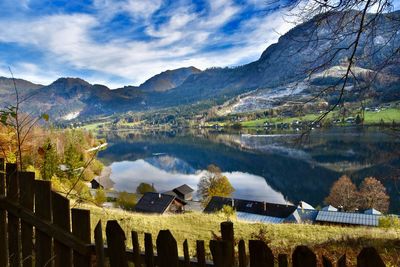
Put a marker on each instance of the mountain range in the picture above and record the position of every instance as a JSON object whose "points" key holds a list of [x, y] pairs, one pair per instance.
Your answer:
{"points": [[284, 66]]}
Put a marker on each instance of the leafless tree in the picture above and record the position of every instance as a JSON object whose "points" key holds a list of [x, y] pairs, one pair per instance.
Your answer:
{"points": [[348, 33]]}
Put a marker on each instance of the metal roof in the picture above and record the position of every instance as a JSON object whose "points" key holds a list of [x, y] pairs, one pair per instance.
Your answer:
{"points": [[244, 216], [329, 208], [348, 218], [372, 211], [154, 203], [251, 206], [307, 215], [305, 205], [183, 189]]}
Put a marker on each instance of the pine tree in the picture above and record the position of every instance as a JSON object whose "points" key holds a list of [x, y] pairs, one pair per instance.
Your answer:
{"points": [[50, 160]]}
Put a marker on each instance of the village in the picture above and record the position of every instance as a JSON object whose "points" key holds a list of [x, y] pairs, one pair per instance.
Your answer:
{"points": [[181, 199]]}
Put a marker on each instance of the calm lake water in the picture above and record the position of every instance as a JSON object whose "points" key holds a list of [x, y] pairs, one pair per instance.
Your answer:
{"points": [[261, 166]]}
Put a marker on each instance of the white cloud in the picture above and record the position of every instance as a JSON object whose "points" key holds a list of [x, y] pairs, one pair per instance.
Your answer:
{"points": [[180, 41]]}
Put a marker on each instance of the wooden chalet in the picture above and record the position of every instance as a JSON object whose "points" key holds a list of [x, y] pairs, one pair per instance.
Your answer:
{"points": [[184, 192], [158, 203]]}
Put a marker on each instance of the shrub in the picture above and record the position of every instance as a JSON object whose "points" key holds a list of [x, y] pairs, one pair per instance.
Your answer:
{"points": [[228, 212], [100, 197], [144, 188], [389, 221], [126, 201]]}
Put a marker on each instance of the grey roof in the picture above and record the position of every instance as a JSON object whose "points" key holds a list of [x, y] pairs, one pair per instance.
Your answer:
{"points": [[305, 205], [293, 218], [329, 208], [154, 203], [183, 189], [372, 211], [348, 218], [250, 217], [171, 193], [251, 206], [307, 215]]}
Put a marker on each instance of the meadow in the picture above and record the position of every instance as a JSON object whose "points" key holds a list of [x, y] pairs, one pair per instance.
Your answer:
{"points": [[332, 241]]}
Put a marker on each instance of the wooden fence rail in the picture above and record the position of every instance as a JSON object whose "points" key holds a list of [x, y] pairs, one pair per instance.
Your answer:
{"points": [[38, 228]]}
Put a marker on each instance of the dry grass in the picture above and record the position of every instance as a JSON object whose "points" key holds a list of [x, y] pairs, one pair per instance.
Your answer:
{"points": [[332, 241]]}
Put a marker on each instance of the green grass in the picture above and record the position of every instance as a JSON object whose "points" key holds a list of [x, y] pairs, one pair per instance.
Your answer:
{"points": [[92, 126], [387, 115], [260, 122], [371, 117], [282, 238]]}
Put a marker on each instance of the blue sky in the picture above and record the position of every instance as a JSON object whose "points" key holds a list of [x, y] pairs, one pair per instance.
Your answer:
{"points": [[125, 42]]}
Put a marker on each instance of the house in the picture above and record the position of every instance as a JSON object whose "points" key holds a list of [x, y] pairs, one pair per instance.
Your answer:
{"points": [[306, 212], [255, 211], [152, 202], [103, 180], [184, 192], [329, 208], [347, 218], [95, 184]]}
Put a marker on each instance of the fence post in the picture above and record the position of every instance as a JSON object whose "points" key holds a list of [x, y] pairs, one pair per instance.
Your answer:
{"points": [[61, 218], [135, 249], [227, 234], [12, 177], [326, 262], [81, 229], [200, 253], [186, 256], [26, 184], [116, 244], [260, 254], [99, 243], [148, 250], [167, 250], [304, 257], [283, 260], [43, 244], [242, 254], [3, 219], [369, 257], [342, 262], [222, 253]]}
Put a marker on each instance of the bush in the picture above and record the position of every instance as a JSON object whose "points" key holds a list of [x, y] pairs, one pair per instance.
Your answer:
{"points": [[100, 197], [144, 188], [228, 212], [126, 201], [389, 221]]}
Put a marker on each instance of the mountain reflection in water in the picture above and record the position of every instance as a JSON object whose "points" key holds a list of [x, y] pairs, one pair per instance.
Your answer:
{"points": [[165, 174], [260, 166]]}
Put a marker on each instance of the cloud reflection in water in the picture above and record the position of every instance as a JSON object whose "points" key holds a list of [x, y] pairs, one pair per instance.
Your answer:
{"points": [[127, 175]]}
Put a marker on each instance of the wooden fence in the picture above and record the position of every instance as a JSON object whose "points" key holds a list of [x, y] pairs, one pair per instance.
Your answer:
{"points": [[38, 228]]}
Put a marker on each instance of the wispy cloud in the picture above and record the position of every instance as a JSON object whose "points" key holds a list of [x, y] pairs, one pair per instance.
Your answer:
{"points": [[72, 41]]}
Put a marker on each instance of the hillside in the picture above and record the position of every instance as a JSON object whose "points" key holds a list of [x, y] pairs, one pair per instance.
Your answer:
{"points": [[281, 68], [168, 79]]}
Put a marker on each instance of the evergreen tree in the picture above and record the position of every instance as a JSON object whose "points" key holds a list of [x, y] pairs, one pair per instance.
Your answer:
{"points": [[50, 160], [73, 159]]}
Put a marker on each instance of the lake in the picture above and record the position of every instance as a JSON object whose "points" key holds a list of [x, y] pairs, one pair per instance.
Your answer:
{"points": [[279, 168]]}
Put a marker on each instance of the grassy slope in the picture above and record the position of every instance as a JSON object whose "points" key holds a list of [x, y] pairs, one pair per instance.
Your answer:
{"points": [[387, 115], [282, 237]]}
